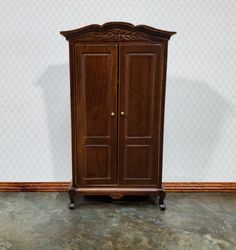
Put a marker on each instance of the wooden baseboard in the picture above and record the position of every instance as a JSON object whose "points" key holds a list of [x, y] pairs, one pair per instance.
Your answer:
{"points": [[169, 186], [200, 187], [34, 186]]}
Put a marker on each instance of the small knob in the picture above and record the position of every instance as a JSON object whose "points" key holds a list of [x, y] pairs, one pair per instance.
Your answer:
{"points": [[112, 114], [122, 113]]}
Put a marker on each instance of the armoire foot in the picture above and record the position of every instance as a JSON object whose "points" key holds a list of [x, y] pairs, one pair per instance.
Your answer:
{"points": [[72, 194], [162, 195]]}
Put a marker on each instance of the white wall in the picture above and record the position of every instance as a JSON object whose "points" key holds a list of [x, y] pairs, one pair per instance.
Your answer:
{"points": [[200, 131]]}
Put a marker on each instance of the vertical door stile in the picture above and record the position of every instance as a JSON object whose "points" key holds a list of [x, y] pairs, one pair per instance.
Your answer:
{"points": [[118, 110]]}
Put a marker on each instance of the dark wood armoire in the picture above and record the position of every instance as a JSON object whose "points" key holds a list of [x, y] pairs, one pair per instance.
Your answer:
{"points": [[118, 81]]}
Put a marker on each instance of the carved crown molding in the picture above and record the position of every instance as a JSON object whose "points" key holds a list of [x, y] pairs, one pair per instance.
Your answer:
{"points": [[117, 31]]}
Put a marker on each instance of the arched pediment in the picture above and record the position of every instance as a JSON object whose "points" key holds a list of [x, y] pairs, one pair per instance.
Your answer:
{"points": [[116, 32]]}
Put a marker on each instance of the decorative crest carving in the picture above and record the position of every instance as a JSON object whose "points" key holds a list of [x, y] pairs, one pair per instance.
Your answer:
{"points": [[117, 36], [116, 196]]}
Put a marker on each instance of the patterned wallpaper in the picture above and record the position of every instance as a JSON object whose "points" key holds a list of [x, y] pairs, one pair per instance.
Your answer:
{"points": [[200, 131]]}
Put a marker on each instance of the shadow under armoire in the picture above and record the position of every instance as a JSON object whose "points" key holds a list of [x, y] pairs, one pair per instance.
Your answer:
{"points": [[117, 79]]}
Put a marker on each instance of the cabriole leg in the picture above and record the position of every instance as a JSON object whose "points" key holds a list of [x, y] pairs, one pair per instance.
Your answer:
{"points": [[72, 194], [162, 195]]}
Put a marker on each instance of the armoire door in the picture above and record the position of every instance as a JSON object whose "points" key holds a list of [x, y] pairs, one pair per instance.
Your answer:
{"points": [[96, 113], [140, 98]]}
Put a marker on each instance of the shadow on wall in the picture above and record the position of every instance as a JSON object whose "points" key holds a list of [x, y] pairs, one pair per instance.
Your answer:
{"points": [[55, 85], [195, 115]]}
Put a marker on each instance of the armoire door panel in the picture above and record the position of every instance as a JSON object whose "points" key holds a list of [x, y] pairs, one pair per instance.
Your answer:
{"points": [[140, 99], [138, 94], [140, 157], [97, 80], [98, 162], [96, 88]]}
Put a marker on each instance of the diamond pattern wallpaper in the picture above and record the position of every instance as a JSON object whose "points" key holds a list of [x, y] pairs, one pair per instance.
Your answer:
{"points": [[200, 120]]}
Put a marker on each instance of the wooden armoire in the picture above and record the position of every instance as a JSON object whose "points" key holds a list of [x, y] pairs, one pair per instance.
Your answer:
{"points": [[118, 81]]}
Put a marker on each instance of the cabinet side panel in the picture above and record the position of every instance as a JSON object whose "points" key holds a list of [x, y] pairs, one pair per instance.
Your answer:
{"points": [[73, 112]]}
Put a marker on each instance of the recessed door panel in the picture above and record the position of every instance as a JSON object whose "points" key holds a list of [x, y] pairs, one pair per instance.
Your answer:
{"points": [[138, 156], [138, 95], [98, 162], [96, 87], [97, 93], [141, 88]]}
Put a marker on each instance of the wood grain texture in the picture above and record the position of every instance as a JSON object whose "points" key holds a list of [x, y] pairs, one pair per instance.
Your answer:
{"points": [[176, 187]]}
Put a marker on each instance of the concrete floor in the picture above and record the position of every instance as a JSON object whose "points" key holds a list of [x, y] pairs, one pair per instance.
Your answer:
{"points": [[191, 221]]}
